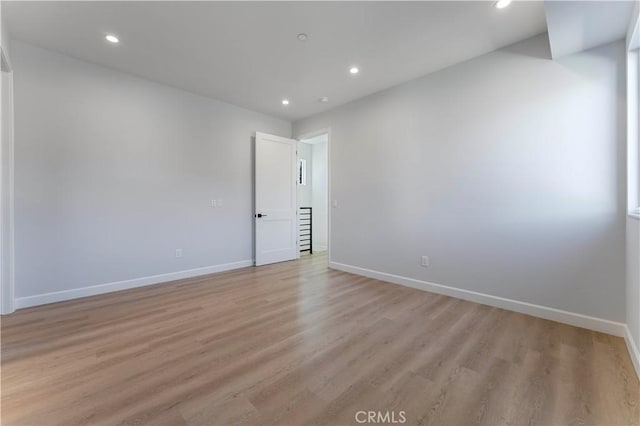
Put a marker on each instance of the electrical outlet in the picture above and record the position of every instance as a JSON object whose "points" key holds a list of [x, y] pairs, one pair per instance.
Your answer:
{"points": [[214, 203], [178, 253], [424, 261]]}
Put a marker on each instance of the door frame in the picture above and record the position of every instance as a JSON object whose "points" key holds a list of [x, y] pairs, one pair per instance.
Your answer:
{"points": [[7, 260], [309, 135]]}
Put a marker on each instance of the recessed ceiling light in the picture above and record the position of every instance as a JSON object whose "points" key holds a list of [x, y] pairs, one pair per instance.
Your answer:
{"points": [[501, 4], [354, 70], [111, 38], [285, 102], [302, 37], [323, 100]]}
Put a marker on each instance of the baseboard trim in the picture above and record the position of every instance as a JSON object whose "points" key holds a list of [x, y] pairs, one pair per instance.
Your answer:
{"points": [[634, 353], [571, 318], [59, 296]]}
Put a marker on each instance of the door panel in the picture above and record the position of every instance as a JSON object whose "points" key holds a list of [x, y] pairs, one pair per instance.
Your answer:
{"points": [[276, 199]]}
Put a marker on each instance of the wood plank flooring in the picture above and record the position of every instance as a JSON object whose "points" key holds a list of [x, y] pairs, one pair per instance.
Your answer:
{"points": [[296, 343]]}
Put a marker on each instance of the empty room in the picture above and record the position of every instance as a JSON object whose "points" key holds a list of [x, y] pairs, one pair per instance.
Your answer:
{"points": [[320, 213]]}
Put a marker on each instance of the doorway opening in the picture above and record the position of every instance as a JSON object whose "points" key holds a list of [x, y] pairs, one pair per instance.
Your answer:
{"points": [[313, 193]]}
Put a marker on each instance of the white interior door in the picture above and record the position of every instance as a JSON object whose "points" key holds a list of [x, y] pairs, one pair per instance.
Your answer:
{"points": [[276, 199]]}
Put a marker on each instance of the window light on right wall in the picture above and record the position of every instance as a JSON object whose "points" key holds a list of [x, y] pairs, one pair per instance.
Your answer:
{"points": [[633, 111], [636, 212]]}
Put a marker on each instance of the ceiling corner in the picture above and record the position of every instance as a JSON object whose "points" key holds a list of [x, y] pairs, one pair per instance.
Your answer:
{"points": [[574, 26]]}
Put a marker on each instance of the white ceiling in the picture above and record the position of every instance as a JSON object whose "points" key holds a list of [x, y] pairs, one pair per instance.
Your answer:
{"points": [[248, 54], [575, 26]]}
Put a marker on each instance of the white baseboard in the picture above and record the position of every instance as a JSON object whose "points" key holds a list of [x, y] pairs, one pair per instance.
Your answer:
{"points": [[571, 318], [634, 353], [319, 247], [59, 296]]}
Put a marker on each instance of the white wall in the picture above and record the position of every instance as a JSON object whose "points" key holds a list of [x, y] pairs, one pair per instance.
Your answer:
{"points": [[319, 195], [5, 40], [506, 170], [114, 172]]}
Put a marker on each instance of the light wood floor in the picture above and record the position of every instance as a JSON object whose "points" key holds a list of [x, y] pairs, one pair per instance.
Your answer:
{"points": [[296, 343]]}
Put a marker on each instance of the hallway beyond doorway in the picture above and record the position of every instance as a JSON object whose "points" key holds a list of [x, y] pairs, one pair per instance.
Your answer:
{"points": [[313, 193]]}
